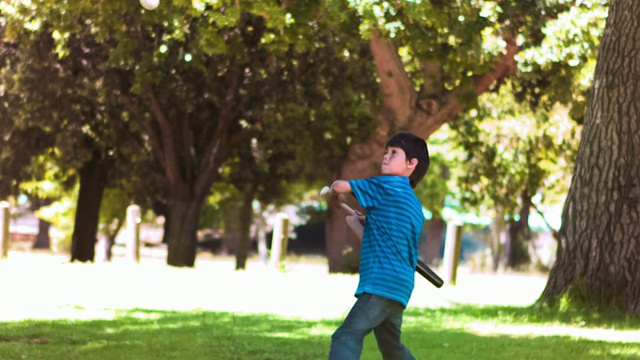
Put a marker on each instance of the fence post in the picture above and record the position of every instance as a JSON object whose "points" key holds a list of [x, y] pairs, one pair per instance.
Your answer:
{"points": [[452, 245], [279, 241], [133, 230], [4, 229]]}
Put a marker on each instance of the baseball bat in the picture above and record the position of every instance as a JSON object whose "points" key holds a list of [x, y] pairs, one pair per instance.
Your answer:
{"points": [[354, 224], [429, 274]]}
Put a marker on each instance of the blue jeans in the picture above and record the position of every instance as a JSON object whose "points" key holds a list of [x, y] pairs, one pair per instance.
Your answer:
{"points": [[370, 313]]}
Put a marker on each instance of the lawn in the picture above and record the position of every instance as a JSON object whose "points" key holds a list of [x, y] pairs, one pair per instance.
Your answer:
{"points": [[50, 309]]}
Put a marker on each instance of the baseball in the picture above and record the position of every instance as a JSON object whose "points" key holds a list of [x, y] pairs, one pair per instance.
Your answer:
{"points": [[149, 4]]}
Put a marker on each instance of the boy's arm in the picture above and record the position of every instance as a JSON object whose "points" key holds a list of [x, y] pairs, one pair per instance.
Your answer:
{"points": [[341, 186]]}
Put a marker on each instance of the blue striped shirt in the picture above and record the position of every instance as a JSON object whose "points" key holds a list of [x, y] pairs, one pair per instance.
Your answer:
{"points": [[390, 239]]}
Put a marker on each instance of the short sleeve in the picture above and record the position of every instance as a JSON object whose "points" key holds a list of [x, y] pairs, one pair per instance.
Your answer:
{"points": [[367, 191]]}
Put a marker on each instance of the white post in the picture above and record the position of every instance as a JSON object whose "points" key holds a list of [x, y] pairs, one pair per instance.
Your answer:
{"points": [[452, 245], [279, 240], [133, 230], [261, 225], [4, 229]]}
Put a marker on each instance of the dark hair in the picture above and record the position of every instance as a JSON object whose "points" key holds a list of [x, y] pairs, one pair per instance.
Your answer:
{"points": [[414, 148]]}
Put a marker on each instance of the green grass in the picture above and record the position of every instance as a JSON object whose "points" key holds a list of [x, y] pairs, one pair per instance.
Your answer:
{"points": [[51, 309], [459, 332]]}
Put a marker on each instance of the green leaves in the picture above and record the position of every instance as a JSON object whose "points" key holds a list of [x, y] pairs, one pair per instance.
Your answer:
{"points": [[508, 149], [298, 76], [560, 67]]}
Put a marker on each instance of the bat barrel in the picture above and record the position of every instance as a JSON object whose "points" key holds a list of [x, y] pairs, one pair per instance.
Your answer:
{"points": [[429, 274]]}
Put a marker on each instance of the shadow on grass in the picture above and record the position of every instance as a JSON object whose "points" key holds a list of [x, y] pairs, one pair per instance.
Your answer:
{"points": [[532, 315], [429, 333]]}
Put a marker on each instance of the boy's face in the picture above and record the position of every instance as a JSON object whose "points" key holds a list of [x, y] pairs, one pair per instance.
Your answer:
{"points": [[395, 162]]}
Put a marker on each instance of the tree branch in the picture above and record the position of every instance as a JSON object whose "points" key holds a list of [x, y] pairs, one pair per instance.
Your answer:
{"points": [[165, 138], [504, 67], [553, 230], [214, 154], [398, 94], [433, 79], [156, 145], [188, 146]]}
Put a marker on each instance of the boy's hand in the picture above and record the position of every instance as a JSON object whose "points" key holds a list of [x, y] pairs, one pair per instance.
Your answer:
{"points": [[327, 191]]}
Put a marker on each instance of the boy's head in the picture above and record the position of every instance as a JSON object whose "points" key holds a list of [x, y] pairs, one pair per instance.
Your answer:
{"points": [[414, 148]]}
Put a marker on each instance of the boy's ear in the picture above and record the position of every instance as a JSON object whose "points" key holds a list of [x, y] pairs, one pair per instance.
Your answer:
{"points": [[412, 163]]}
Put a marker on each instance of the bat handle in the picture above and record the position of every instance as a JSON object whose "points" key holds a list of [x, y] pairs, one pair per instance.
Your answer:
{"points": [[348, 209]]}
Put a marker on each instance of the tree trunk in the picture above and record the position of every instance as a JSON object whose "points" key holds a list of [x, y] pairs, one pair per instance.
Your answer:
{"points": [[497, 230], [431, 249], [43, 241], [93, 180], [517, 247], [160, 209], [402, 109], [110, 240], [246, 219], [184, 212], [599, 241], [343, 245], [232, 228], [190, 168]]}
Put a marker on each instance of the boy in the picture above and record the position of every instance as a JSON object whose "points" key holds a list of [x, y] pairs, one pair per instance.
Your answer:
{"points": [[389, 250]]}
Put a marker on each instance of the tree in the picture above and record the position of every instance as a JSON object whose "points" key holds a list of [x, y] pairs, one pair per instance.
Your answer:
{"points": [[599, 241], [112, 217], [429, 64], [49, 182], [191, 76], [20, 140], [509, 154], [219, 98], [298, 146], [434, 59], [68, 93]]}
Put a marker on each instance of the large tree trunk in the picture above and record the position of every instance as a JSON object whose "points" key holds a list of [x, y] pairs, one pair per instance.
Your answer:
{"points": [[403, 109], [93, 180], [184, 211], [343, 246], [599, 241]]}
